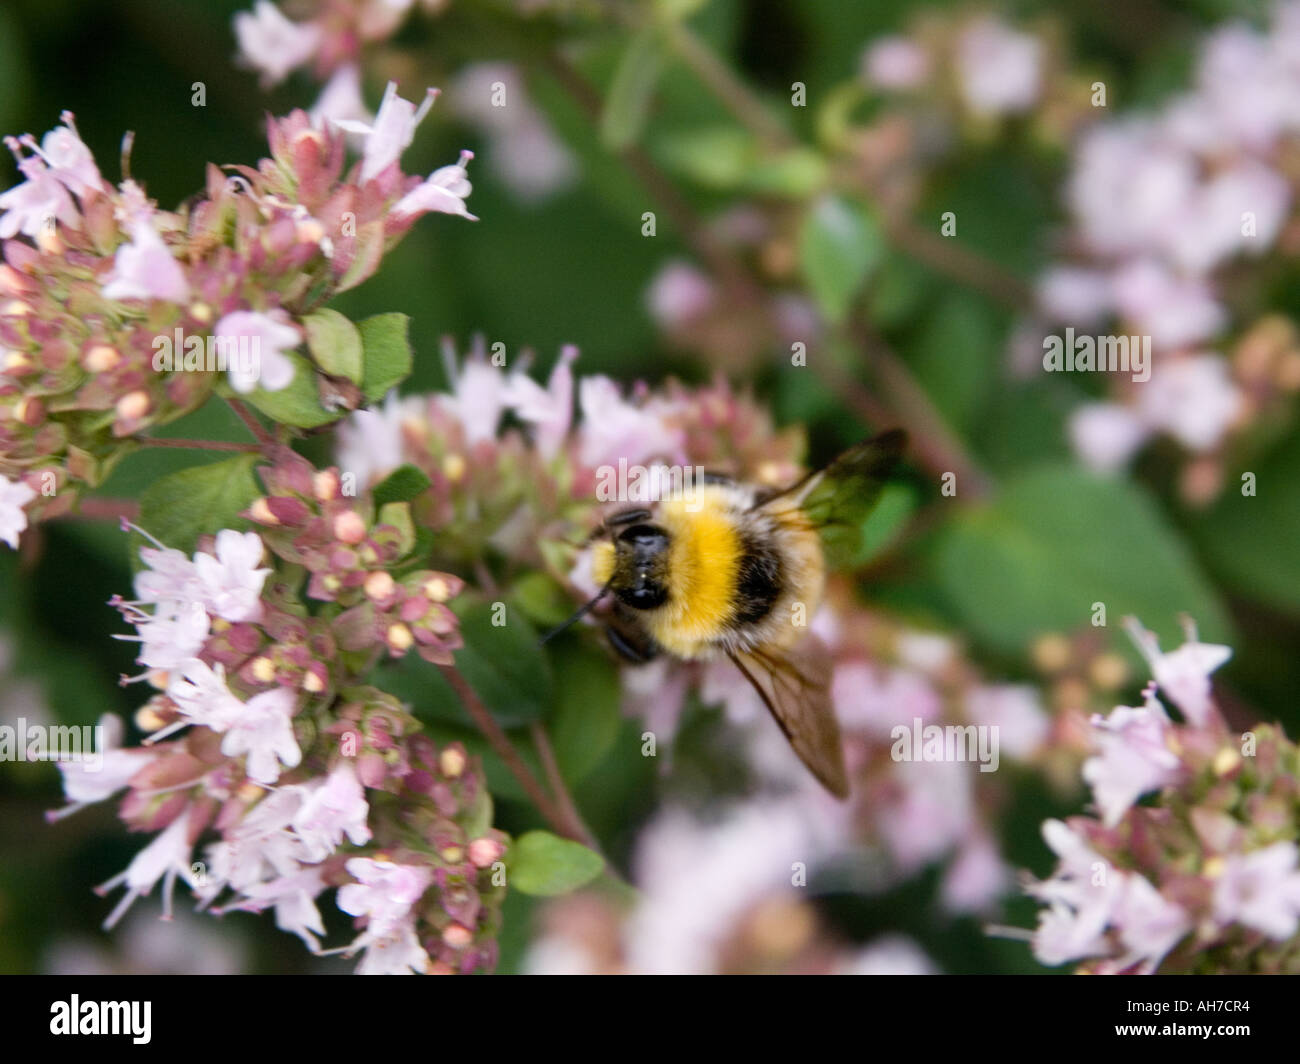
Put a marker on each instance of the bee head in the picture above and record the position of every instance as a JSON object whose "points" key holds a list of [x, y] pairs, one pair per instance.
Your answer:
{"points": [[641, 566]]}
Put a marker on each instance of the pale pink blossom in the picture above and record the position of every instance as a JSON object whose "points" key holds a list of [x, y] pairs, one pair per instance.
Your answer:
{"points": [[167, 858], [145, 269], [1193, 399], [1175, 311], [613, 428], [875, 699], [478, 397], [370, 442], [1133, 758], [1106, 435], [1149, 925], [384, 893], [1182, 674], [341, 100], [444, 191], [1081, 895], [1261, 889], [976, 877], [679, 294], [14, 495], [548, 410], [391, 132], [334, 808], [273, 44], [270, 335], [1015, 710], [998, 68], [263, 730], [231, 582], [895, 63], [294, 898], [86, 782]]}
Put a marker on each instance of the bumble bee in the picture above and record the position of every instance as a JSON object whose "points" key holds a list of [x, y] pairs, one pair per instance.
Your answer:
{"points": [[734, 569]]}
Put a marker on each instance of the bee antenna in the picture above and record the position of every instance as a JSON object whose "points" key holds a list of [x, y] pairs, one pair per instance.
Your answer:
{"points": [[582, 612]]}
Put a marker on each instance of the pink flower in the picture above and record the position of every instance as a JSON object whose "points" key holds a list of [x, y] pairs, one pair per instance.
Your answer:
{"points": [[1149, 925], [14, 495], [998, 68], [391, 132], [874, 699], [613, 428], [273, 44], [171, 636], [1193, 399], [1176, 311], [166, 858], [294, 899], [678, 294], [549, 410], [398, 953], [895, 63], [1183, 674], [976, 878], [1106, 435], [384, 893], [68, 158], [1134, 758], [170, 577], [200, 693], [1077, 295], [1015, 710], [85, 782], [269, 336], [231, 583], [145, 269], [334, 808], [478, 397], [444, 191], [1081, 895], [1261, 889], [263, 730], [370, 441], [341, 100]]}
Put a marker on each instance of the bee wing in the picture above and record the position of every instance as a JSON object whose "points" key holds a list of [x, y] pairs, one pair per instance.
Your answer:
{"points": [[795, 686], [838, 499]]}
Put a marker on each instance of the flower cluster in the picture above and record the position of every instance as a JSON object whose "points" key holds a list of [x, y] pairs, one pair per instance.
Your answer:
{"points": [[282, 749], [1205, 878], [117, 316], [1172, 212]]}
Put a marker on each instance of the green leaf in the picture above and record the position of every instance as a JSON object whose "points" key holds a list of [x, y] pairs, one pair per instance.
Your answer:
{"points": [[956, 355], [839, 246], [335, 344], [543, 864], [588, 696], [628, 102], [717, 157], [401, 485], [1251, 539], [387, 354], [797, 174], [1056, 541], [182, 506], [298, 404]]}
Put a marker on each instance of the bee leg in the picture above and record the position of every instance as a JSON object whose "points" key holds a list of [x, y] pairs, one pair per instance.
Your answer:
{"points": [[630, 649]]}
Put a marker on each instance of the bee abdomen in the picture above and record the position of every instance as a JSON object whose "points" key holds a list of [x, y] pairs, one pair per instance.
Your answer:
{"points": [[758, 582]]}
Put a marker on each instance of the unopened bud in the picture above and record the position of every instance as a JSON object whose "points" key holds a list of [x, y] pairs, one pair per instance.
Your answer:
{"points": [[349, 527], [100, 358], [379, 585], [452, 762], [133, 406], [399, 637]]}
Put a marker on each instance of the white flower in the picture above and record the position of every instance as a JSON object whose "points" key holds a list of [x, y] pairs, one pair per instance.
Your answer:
{"points": [[384, 893], [172, 636], [273, 44], [444, 191], [201, 695], [895, 63], [613, 428], [270, 335], [166, 858], [1183, 674], [1149, 925], [231, 583], [170, 577], [1081, 897], [1133, 758], [888, 955], [14, 495], [1193, 399], [264, 731], [370, 441], [549, 410], [1176, 311], [1106, 435], [998, 68], [334, 808], [1261, 889], [340, 100], [259, 848], [391, 132], [85, 782], [68, 158], [399, 953], [294, 898], [478, 397], [1015, 711], [35, 203], [145, 269]]}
